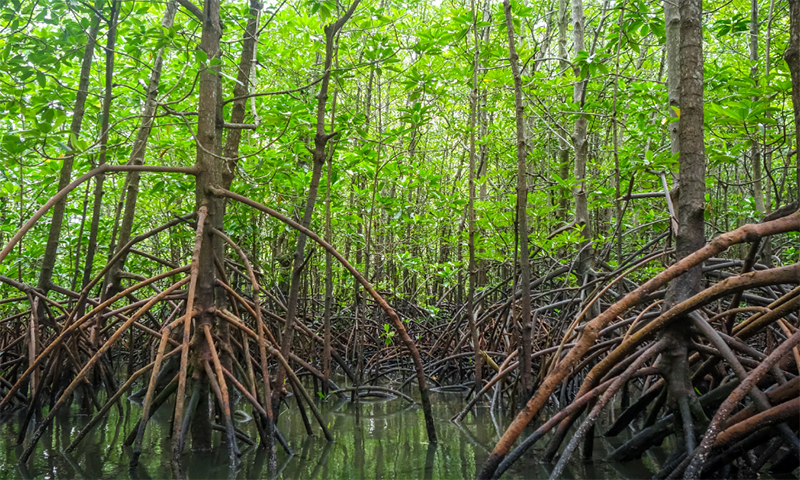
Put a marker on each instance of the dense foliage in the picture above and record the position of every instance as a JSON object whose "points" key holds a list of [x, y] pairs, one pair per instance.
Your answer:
{"points": [[401, 83]]}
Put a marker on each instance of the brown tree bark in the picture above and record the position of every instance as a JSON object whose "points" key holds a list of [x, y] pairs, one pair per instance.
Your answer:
{"points": [[318, 157], [581, 145], [54, 235], [329, 289], [211, 172], [691, 199], [104, 127], [792, 57], [672, 21], [522, 213], [755, 149], [472, 265], [563, 146], [674, 364], [131, 186]]}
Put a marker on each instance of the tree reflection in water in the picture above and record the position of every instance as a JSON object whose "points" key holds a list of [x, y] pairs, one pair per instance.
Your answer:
{"points": [[375, 438]]}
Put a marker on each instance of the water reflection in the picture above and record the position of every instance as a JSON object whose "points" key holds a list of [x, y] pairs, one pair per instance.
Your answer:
{"points": [[374, 439]]}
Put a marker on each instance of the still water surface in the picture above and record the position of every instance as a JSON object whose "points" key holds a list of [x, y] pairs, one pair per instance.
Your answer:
{"points": [[374, 439]]}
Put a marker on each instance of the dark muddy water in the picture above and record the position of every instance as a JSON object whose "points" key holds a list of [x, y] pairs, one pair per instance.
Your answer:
{"points": [[374, 439]]}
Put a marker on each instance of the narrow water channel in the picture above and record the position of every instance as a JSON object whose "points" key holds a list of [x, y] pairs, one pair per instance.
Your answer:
{"points": [[374, 439]]}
